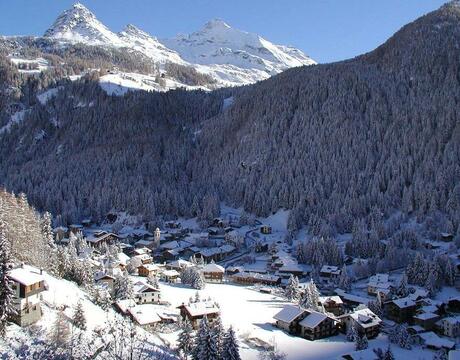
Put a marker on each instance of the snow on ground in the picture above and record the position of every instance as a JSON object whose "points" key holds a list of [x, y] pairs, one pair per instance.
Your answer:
{"points": [[63, 294], [40, 64], [16, 118], [45, 96], [120, 83], [251, 314]]}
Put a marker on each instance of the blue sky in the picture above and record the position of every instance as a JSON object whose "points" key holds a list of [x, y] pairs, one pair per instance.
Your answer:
{"points": [[327, 30]]}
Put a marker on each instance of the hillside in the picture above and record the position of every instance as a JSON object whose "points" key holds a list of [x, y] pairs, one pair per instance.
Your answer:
{"points": [[335, 142]]}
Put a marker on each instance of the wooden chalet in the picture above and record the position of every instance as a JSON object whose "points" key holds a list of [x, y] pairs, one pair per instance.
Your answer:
{"points": [[196, 311]]}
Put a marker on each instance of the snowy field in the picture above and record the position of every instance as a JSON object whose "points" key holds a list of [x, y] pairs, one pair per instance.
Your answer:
{"points": [[251, 314]]}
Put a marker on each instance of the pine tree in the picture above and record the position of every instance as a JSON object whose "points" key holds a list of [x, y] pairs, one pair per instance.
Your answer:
{"points": [[344, 280], [430, 283], [205, 343], [230, 349], [351, 333], [123, 287], [6, 292], [79, 319], [218, 333], [402, 290], [292, 291], [310, 297], [185, 339], [60, 331], [361, 342]]}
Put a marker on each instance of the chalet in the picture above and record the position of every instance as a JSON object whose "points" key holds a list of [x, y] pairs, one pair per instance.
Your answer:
{"points": [[145, 315], [265, 229], [145, 243], [332, 304], [400, 310], [105, 280], [172, 225], [351, 300], [377, 282], [100, 238], [147, 270], [426, 319], [27, 284], [146, 293], [289, 317], [453, 304], [329, 273], [179, 265], [142, 251], [213, 272], [450, 326], [170, 276], [143, 259], [123, 305], [364, 320], [210, 254], [196, 311], [316, 325], [256, 278]]}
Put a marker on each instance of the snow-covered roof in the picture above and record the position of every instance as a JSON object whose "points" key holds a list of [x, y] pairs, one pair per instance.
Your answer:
{"points": [[350, 297], [227, 248], [180, 263], [289, 313], [431, 339], [25, 277], [102, 275], [125, 304], [145, 314], [144, 243], [365, 318], [324, 299], [212, 267], [313, 319], [379, 278], [202, 308], [426, 316], [404, 302], [150, 267], [170, 245], [170, 273], [330, 269], [453, 320], [123, 258], [141, 287]]}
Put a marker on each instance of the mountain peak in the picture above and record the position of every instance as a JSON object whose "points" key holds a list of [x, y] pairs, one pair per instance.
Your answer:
{"points": [[78, 24], [217, 24]]}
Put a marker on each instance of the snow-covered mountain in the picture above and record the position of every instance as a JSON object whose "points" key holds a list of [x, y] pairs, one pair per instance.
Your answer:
{"points": [[230, 56]]}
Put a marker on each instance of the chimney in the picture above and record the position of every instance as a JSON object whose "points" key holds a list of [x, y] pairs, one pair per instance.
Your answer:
{"points": [[41, 271]]}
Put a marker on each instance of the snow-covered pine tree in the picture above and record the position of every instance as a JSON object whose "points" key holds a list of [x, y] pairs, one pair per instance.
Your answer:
{"points": [[79, 319], [351, 333], [310, 297], [6, 291], [218, 332], [292, 291], [231, 350], [344, 280], [59, 334], [361, 342], [185, 339], [205, 343], [402, 290], [123, 287], [197, 280]]}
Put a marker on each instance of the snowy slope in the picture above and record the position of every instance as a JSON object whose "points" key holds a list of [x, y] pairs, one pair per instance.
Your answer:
{"points": [[230, 56]]}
